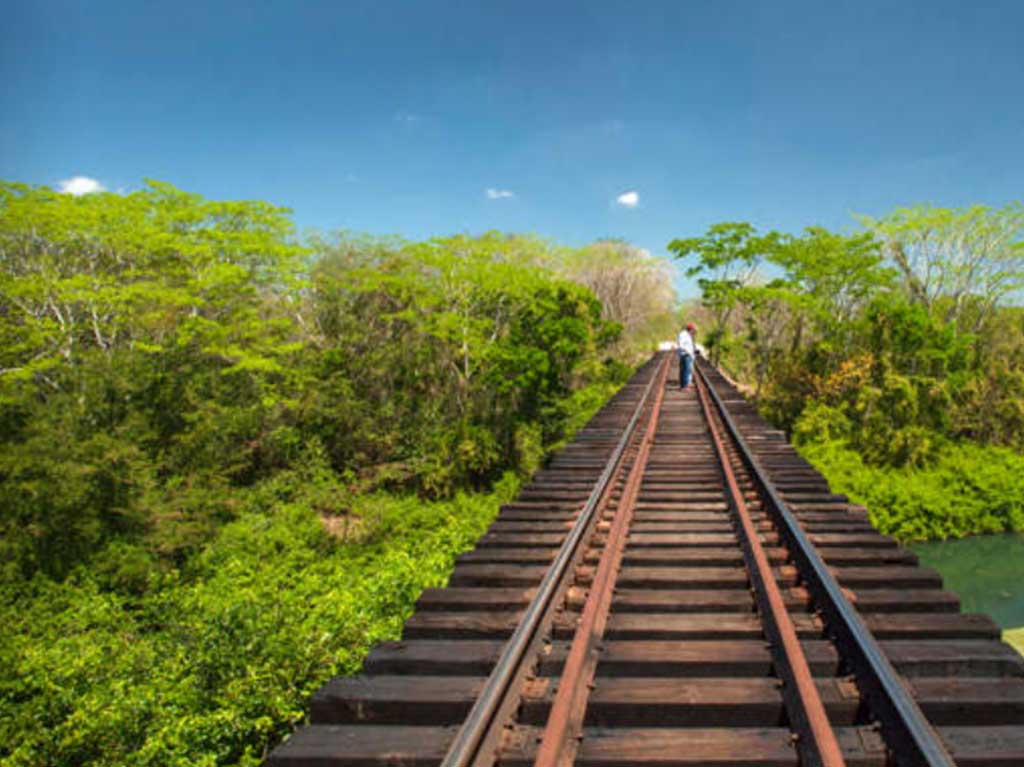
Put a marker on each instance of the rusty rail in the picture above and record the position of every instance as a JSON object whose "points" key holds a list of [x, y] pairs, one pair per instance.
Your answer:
{"points": [[483, 717], [817, 742], [565, 722], [907, 731]]}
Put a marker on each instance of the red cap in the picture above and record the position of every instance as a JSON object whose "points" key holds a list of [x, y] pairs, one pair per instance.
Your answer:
{"points": [[690, 326]]}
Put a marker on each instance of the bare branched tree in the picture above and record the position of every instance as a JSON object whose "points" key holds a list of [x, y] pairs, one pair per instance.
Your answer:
{"points": [[634, 287], [950, 258]]}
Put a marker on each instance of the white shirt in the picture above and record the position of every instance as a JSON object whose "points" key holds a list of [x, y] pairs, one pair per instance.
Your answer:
{"points": [[686, 342]]}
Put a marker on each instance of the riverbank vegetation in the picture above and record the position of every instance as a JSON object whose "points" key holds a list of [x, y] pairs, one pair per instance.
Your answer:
{"points": [[893, 356], [231, 457]]}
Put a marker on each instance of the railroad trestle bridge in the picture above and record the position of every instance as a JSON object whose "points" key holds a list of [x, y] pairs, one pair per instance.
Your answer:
{"points": [[678, 588]]}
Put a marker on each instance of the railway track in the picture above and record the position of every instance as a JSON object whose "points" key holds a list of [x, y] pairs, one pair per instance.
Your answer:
{"points": [[678, 587]]}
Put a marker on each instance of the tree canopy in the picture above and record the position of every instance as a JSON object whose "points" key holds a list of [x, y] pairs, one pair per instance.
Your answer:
{"points": [[230, 458], [896, 343]]}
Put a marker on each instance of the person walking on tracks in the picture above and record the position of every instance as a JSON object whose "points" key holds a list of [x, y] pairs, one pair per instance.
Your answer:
{"points": [[687, 351]]}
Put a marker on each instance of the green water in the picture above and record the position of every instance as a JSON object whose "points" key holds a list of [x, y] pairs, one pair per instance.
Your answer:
{"points": [[986, 571]]}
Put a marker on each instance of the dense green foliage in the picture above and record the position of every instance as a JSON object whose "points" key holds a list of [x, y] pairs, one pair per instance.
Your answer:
{"points": [[229, 459], [161, 350], [890, 355], [459, 356], [214, 663], [966, 489]]}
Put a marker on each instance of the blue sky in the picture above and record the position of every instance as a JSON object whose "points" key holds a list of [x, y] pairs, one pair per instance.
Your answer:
{"points": [[397, 118]]}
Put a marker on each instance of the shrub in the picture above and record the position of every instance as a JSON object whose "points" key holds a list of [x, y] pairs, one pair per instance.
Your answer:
{"points": [[968, 489]]}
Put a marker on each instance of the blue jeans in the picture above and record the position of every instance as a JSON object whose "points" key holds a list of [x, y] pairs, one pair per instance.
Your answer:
{"points": [[685, 370]]}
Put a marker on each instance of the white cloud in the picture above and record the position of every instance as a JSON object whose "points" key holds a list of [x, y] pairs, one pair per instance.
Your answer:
{"points": [[408, 118], [628, 199], [499, 194], [79, 185]]}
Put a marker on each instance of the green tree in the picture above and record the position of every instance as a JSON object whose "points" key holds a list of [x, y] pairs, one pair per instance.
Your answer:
{"points": [[146, 335], [213, 443], [885, 352], [728, 257], [469, 328]]}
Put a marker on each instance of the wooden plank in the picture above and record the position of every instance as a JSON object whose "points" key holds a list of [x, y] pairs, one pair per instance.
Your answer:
{"points": [[682, 505], [797, 598], [681, 516], [556, 493], [934, 626], [650, 626], [710, 702], [693, 658], [478, 624], [954, 658], [743, 657], [807, 485], [519, 540], [978, 701], [699, 475], [560, 506], [500, 527], [537, 515], [725, 551], [362, 746], [432, 656], [836, 525], [536, 555], [985, 746], [456, 598], [683, 577], [853, 540], [648, 495], [680, 601], [677, 540], [692, 747], [843, 557], [490, 575], [906, 601], [717, 556], [418, 700], [888, 577], [816, 499], [664, 527]]}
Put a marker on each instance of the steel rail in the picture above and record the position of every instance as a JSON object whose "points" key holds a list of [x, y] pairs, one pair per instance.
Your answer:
{"points": [[565, 719], [817, 741], [465, 747], [906, 730]]}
